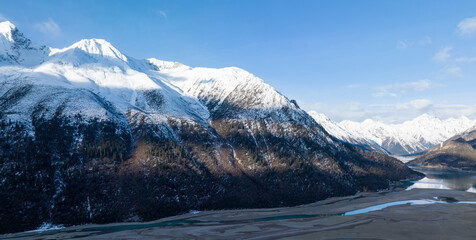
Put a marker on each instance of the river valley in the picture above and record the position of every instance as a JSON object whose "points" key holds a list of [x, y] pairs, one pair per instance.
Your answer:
{"points": [[442, 203]]}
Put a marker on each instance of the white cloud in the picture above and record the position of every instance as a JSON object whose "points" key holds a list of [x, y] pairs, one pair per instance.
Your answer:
{"points": [[413, 86], [421, 104], [466, 59], [467, 27], [162, 13], [449, 72], [417, 104], [445, 111], [425, 41], [2, 18], [351, 110], [402, 44], [443, 55], [384, 93], [403, 111], [355, 106], [393, 89], [48, 27], [393, 112], [455, 71]]}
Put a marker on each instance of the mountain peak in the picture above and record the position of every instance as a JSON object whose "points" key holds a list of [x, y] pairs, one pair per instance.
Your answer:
{"points": [[6, 29], [93, 42], [95, 46], [15, 48], [368, 121], [425, 117], [100, 47]]}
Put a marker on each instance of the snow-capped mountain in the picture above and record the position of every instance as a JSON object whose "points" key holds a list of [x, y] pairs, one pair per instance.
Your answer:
{"points": [[107, 137], [410, 137], [458, 152], [342, 134], [17, 49]]}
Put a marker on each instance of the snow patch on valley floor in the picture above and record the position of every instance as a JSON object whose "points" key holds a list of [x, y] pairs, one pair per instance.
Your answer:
{"points": [[47, 227], [471, 190]]}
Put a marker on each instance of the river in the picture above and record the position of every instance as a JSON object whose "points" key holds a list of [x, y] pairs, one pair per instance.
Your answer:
{"points": [[426, 191]]}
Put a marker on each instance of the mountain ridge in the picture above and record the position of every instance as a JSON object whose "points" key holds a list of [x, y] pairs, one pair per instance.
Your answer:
{"points": [[342, 134], [410, 137], [456, 153], [105, 137]]}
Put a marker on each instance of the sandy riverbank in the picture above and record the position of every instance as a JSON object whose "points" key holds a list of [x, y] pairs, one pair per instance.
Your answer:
{"points": [[320, 220]]}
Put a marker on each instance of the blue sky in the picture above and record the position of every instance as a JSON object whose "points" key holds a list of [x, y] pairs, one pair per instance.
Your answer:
{"points": [[385, 60]]}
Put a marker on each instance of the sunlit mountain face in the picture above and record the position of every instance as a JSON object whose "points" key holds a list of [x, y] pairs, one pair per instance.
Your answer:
{"points": [[90, 134]]}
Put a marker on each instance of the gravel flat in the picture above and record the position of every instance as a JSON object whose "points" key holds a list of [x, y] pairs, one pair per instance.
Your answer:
{"points": [[451, 219]]}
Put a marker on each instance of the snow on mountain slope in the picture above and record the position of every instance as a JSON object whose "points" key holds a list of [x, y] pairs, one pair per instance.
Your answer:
{"points": [[17, 49], [20, 100], [95, 129], [342, 134], [156, 89], [410, 137], [95, 65], [99, 47], [95, 80], [225, 89], [160, 90], [458, 152], [233, 93]]}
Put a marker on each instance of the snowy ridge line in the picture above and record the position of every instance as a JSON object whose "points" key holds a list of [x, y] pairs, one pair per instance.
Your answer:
{"points": [[410, 137], [154, 87]]}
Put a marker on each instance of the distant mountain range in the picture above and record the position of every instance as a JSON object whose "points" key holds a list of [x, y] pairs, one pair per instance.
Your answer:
{"points": [[411, 137], [89, 134], [347, 135], [458, 152]]}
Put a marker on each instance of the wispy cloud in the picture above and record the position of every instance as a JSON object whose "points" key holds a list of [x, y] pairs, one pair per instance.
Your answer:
{"points": [[392, 90], [453, 70], [2, 18], [466, 59], [393, 112], [48, 27], [353, 86], [443, 54], [467, 27], [162, 13], [425, 41], [347, 111], [454, 110], [384, 93], [418, 104], [402, 44]]}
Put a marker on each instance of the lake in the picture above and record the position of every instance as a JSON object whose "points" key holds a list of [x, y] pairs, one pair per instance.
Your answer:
{"points": [[445, 179]]}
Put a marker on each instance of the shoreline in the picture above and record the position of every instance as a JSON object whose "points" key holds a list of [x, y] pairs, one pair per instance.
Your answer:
{"points": [[249, 223]]}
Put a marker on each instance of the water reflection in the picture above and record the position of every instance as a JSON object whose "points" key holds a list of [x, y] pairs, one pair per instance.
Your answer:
{"points": [[445, 179]]}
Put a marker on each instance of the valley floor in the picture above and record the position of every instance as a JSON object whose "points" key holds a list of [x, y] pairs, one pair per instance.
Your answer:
{"points": [[445, 219]]}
